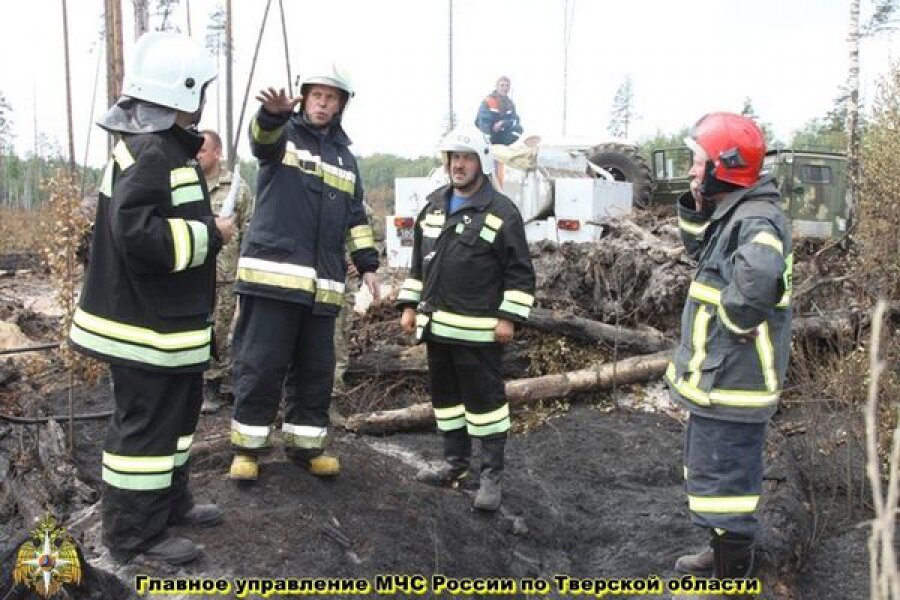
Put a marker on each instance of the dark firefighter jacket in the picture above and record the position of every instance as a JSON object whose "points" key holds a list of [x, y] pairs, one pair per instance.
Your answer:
{"points": [[309, 205], [148, 292], [469, 268], [736, 324]]}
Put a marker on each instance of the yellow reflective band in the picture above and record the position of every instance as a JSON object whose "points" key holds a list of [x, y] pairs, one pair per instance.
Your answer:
{"points": [[494, 222], [518, 297], [282, 280], [264, 136], [137, 482], [181, 458], [421, 320], [338, 178], [122, 155], [360, 237], [183, 176], [766, 352], [515, 309], [249, 436], [430, 232], [409, 296], [731, 325], [304, 436], [435, 219], [767, 239], [184, 442], [464, 321], [106, 182], [184, 195], [488, 235], [329, 297], [467, 335], [450, 412], [140, 335], [704, 293], [138, 354], [201, 243], [451, 424], [412, 284], [181, 243], [486, 418], [723, 504], [501, 426], [698, 341], [743, 398], [692, 228], [138, 464]]}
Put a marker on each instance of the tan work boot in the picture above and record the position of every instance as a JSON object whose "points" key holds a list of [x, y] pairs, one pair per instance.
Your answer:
{"points": [[324, 465], [700, 564], [244, 467]]}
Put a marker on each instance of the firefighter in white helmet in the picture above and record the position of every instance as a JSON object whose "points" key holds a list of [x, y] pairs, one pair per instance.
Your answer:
{"points": [[292, 271], [470, 280], [148, 295]]}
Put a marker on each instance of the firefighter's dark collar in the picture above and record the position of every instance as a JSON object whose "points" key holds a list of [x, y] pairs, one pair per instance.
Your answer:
{"points": [[479, 200], [764, 187]]}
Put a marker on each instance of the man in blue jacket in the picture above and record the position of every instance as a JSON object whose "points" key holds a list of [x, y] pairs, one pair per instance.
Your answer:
{"points": [[497, 117], [292, 271]]}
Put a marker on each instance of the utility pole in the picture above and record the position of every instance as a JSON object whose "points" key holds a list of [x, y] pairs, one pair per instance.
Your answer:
{"points": [[567, 33], [451, 117], [853, 112], [114, 67], [229, 99], [65, 17]]}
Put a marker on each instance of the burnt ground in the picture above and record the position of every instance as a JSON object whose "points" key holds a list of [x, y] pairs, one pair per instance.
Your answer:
{"points": [[594, 491]]}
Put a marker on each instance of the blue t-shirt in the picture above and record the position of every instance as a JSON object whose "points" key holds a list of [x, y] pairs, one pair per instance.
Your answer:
{"points": [[456, 202]]}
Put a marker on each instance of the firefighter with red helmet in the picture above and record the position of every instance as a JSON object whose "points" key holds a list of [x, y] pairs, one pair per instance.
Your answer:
{"points": [[729, 368]]}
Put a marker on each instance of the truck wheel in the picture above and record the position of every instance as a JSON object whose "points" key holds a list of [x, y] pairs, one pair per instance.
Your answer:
{"points": [[625, 164]]}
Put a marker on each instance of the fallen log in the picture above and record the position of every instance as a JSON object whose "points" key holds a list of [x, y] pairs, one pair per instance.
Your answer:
{"points": [[391, 359], [641, 341], [636, 369]]}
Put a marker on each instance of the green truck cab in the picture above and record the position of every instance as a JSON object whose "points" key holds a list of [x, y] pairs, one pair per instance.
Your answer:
{"points": [[813, 186]]}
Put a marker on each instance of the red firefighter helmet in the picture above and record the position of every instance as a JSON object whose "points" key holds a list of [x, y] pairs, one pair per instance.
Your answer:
{"points": [[735, 145]]}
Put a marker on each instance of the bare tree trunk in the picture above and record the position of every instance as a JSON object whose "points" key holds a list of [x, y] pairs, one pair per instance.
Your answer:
{"points": [[114, 68], [523, 391], [229, 97], [853, 113], [631, 340], [65, 16]]}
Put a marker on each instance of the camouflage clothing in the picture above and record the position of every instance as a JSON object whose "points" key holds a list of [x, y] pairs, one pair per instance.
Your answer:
{"points": [[226, 268], [344, 318]]}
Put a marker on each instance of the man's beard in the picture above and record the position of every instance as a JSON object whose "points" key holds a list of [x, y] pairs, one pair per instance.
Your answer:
{"points": [[467, 185]]}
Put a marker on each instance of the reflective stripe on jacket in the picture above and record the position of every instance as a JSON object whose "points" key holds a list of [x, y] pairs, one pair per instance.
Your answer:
{"points": [[468, 269], [148, 291], [736, 324], [308, 208]]}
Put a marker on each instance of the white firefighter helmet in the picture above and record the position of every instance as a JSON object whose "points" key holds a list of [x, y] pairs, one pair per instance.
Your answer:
{"points": [[467, 138], [170, 70], [329, 74]]}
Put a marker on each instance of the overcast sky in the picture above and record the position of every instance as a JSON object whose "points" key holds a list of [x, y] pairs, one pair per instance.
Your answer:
{"points": [[685, 58]]}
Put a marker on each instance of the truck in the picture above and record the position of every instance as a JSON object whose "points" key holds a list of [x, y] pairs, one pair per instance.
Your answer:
{"points": [[564, 189]]}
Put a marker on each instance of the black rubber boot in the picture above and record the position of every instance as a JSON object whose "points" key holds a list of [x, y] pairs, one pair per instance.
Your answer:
{"points": [[733, 556], [454, 470], [489, 493]]}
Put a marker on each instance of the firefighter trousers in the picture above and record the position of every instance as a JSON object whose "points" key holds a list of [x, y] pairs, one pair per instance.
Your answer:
{"points": [[281, 349], [724, 473], [146, 455], [467, 389]]}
